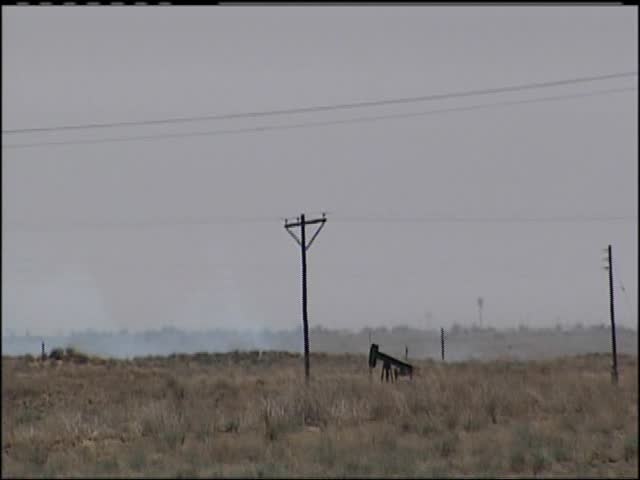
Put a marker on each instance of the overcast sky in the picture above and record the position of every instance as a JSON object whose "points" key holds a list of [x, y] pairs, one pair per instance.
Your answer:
{"points": [[107, 235]]}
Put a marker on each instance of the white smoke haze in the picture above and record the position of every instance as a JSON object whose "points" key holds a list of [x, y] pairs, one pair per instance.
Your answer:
{"points": [[460, 343]]}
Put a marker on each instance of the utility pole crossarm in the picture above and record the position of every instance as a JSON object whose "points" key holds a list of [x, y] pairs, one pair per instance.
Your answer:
{"points": [[306, 222]]}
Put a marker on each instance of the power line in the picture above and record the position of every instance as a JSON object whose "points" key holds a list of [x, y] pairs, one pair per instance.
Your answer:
{"points": [[355, 219], [568, 219], [321, 108], [318, 124], [142, 224]]}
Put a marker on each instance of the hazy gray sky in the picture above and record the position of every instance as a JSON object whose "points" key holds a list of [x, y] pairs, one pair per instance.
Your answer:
{"points": [[98, 235]]}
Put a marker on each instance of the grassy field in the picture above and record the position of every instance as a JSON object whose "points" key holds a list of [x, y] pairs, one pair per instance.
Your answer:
{"points": [[249, 415]]}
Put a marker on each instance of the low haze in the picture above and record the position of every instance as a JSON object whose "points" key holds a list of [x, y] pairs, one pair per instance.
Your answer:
{"points": [[514, 203]]}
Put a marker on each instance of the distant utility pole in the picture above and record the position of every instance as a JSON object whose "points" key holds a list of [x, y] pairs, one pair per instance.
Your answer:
{"points": [[614, 368], [302, 222], [480, 302]]}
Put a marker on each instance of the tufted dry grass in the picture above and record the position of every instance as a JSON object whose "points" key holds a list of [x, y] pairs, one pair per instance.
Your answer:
{"points": [[251, 415]]}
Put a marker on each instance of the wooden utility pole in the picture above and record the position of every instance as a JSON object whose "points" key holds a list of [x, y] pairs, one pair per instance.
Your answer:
{"points": [[614, 368], [442, 342], [302, 222]]}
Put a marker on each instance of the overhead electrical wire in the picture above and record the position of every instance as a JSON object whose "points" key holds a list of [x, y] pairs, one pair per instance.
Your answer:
{"points": [[230, 220], [145, 223], [323, 108], [318, 123], [133, 225], [567, 219]]}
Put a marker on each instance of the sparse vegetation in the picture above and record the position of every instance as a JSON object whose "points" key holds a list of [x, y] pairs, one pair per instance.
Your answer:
{"points": [[68, 354], [249, 415]]}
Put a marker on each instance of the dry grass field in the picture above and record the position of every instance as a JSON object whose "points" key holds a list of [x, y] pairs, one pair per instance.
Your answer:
{"points": [[245, 415]]}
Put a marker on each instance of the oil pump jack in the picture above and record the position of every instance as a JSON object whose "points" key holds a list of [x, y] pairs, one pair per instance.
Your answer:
{"points": [[400, 368]]}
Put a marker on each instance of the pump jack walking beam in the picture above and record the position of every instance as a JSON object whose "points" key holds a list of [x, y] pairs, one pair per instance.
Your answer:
{"points": [[403, 368]]}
